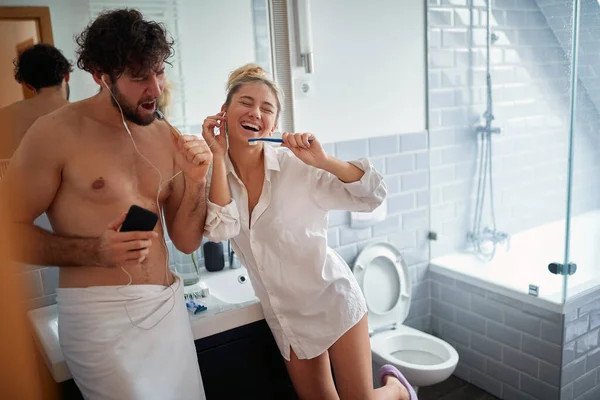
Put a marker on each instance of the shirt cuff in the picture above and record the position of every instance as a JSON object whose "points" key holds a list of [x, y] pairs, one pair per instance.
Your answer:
{"points": [[369, 183]]}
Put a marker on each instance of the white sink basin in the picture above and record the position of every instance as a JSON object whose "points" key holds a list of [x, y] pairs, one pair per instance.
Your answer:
{"points": [[231, 286]]}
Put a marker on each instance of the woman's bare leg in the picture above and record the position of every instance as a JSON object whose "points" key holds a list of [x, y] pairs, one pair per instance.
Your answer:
{"points": [[312, 378], [351, 359]]}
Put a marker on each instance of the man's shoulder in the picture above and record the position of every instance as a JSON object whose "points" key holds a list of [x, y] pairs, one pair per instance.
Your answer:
{"points": [[67, 115], [11, 109]]}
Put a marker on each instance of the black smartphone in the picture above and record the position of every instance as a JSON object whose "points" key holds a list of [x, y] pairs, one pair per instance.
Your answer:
{"points": [[139, 219]]}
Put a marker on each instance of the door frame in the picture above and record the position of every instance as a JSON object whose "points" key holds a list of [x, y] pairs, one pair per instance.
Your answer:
{"points": [[40, 14]]}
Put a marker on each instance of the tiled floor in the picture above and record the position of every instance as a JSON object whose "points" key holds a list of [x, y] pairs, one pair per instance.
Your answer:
{"points": [[454, 389]]}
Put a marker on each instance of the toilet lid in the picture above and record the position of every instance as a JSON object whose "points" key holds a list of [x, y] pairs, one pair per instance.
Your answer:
{"points": [[383, 277]]}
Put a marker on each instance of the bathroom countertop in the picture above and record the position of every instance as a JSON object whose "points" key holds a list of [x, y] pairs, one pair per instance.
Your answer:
{"points": [[219, 317]]}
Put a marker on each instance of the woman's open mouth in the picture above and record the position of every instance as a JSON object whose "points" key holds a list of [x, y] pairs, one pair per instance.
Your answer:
{"points": [[250, 127]]}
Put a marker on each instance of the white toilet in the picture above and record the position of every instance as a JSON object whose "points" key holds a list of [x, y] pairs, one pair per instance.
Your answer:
{"points": [[384, 279]]}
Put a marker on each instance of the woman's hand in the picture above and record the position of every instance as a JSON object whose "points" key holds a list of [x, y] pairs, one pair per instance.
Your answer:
{"points": [[307, 148], [218, 143]]}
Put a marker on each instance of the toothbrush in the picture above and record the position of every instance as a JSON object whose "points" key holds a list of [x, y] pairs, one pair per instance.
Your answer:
{"points": [[174, 131], [254, 141]]}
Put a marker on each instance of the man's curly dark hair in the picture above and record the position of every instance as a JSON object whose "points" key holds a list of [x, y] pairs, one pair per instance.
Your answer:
{"points": [[41, 65], [120, 40]]}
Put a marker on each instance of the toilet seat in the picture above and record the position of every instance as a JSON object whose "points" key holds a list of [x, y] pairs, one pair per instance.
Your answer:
{"points": [[384, 280]]}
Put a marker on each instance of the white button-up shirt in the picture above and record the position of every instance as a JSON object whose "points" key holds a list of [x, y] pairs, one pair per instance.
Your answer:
{"points": [[309, 295]]}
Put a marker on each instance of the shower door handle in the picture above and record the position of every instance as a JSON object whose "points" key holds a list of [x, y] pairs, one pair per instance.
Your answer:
{"points": [[559, 269]]}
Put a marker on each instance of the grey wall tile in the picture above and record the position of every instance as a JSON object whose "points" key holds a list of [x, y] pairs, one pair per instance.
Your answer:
{"points": [[594, 319], [538, 389], [572, 371], [49, 280], [540, 349], [415, 181], [401, 202], [486, 382], [413, 142], [399, 164], [455, 297], [566, 392], [338, 218], [351, 150], [552, 332], [590, 307], [403, 239], [593, 360], [520, 361], [32, 282], [485, 309], [576, 328], [463, 372], [417, 219], [510, 393], [350, 235], [549, 373], [443, 310], [348, 253], [419, 308], [389, 225], [440, 17], [522, 322], [383, 145], [585, 383], [470, 288], [586, 343], [486, 346], [469, 357], [454, 332], [470, 321], [504, 335], [502, 372], [592, 394], [568, 353], [441, 278]]}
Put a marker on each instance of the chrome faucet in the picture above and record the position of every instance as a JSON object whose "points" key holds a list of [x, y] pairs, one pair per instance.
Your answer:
{"points": [[234, 262]]}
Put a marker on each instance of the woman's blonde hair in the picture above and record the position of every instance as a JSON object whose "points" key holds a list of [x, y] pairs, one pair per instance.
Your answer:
{"points": [[250, 73], [164, 100]]}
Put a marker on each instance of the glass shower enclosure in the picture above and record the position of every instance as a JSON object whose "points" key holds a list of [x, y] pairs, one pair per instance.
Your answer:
{"points": [[514, 122]]}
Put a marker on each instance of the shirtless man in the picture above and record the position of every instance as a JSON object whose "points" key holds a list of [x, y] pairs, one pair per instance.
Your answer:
{"points": [[45, 71], [123, 326]]}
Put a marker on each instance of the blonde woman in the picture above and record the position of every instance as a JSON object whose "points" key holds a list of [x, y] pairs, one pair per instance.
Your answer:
{"points": [[310, 298]]}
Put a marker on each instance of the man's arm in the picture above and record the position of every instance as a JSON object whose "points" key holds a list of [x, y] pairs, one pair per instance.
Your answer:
{"points": [[185, 213], [185, 208], [30, 185]]}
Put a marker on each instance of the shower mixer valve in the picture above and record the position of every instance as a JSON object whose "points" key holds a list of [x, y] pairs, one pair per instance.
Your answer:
{"points": [[484, 129], [491, 235]]}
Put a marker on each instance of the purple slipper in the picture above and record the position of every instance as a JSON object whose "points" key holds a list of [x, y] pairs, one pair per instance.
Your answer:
{"points": [[391, 370]]}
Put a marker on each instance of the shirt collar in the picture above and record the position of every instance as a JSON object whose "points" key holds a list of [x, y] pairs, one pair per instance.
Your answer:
{"points": [[271, 160]]}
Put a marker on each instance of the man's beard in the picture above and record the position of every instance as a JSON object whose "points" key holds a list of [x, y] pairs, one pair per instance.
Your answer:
{"points": [[129, 112]]}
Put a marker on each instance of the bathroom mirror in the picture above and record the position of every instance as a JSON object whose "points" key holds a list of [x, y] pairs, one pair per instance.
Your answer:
{"points": [[212, 38], [20, 27], [216, 37]]}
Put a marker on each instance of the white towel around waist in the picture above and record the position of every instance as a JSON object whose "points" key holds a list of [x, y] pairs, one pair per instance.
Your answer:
{"points": [[111, 358]]}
